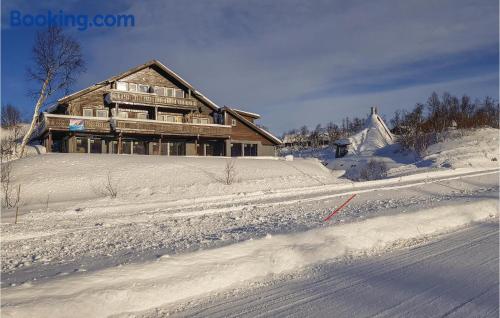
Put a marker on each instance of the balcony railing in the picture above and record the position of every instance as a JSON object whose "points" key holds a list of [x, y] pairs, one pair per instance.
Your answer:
{"points": [[149, 99], [166, 128], [73, 123], [139, 126]]}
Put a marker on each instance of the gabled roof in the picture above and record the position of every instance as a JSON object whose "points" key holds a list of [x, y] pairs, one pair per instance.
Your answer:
{"points": [[136, 69], [263, 132]]}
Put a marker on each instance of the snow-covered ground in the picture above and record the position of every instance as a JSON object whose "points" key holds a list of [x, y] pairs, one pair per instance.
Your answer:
{"points": [[173, 215], [139, 287], [476, 148], [454, 275]]}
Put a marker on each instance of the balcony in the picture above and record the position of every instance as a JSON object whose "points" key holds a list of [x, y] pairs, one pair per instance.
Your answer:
{"points": [[126, 125], [144, 126], [133, 98], [72, 123]]}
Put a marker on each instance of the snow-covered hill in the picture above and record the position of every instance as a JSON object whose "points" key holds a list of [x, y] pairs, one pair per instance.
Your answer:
{"points": [[71, 178]]}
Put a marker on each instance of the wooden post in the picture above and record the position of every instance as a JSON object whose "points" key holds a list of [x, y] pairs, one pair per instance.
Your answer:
{"points": [[156, 113], [119, 144], [159, 146], [49, 142], [17, 202]]}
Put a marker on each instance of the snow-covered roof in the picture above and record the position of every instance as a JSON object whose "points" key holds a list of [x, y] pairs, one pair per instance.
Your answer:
{"points": [[342, 142], [245, 113]]}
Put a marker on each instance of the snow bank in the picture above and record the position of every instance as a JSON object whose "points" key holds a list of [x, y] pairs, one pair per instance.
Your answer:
{"points": [[76, 177], [144, 286]]}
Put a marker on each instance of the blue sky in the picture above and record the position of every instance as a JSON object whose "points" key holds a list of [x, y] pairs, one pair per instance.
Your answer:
{"points": [[294, 62]]}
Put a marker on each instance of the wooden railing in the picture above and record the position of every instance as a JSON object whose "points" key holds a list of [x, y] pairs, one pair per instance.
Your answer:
{"points": [[106, 125], [149, 99], [180, 129], [62, 122]]}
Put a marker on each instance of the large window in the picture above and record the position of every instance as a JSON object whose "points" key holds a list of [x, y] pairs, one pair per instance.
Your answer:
{"points": [[122, 114], [250, 150], [178, 148], [95, 145], [143, 88], [81, 145], [121, 86], [170, 92]]}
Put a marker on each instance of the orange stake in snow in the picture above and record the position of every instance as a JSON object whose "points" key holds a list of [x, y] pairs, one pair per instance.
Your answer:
{"points": [[340, 207]]}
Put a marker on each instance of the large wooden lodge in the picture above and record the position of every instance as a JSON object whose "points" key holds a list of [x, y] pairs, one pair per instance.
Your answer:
{"points": [[149, 109]]}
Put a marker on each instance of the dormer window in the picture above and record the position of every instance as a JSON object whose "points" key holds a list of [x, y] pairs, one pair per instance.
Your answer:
{"points": [[121, 86], [143, 88]]}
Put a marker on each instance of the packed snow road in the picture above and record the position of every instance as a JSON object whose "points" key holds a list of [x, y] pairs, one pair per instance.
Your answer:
{"points": [[454, 276], [134, 289], [51, 243]]}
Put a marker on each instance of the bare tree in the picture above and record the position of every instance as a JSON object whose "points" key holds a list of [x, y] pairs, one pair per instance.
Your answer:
{"points": [[107, 188], [11, 122], [230, 172], [57, 60], [10, 198], [11, 116]]}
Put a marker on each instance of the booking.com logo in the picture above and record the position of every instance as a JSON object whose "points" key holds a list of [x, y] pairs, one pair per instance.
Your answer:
{"points": [[81, 21]]}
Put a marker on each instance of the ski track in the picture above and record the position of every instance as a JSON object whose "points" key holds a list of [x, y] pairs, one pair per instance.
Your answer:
{"points": [[453, 276], [63, 242]]}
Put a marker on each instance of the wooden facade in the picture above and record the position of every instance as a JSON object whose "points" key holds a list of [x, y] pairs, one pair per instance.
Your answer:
{"points": [[150, 110]]}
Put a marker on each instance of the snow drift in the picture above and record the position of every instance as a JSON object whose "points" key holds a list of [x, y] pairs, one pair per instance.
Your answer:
{"points": [[140, 287]]}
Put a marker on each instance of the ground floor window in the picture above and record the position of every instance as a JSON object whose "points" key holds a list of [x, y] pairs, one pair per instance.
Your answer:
{"points": [[126, 147], [236, 149], [81, 145], [178, 148], [96, 145], [250, 150], [140, 148]]}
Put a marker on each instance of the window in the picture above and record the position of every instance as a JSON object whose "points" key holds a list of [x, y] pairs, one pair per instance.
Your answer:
{"points": [[179, 93], [160, 91], [81, 145], [196, 120], [233, 122], [102, 113], [143, 88], [87, 112], [132, 87], [204, 121], [95, 145], [121, 86], [170, 92], [142, 115], [174, 119], [123, 114]]}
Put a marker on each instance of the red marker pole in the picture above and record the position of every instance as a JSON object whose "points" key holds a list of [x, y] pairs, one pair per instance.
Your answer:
{"points": [[340, 207]]}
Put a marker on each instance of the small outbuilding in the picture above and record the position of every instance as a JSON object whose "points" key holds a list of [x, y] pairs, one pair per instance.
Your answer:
{"points": [[341, 146]]}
